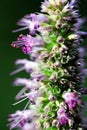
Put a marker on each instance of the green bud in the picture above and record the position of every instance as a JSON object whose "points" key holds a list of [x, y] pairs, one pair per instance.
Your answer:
{"points": [[54, 122], [72, 36]]}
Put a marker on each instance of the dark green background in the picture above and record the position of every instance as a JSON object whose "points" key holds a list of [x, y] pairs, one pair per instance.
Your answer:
{"points": [[10, 12]]}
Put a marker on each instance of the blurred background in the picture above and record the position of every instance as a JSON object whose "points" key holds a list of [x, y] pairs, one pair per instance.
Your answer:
{"points": [[10, 12]]}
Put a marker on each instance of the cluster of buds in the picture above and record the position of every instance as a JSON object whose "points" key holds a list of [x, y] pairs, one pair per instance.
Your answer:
{"points": [[56, 69]]}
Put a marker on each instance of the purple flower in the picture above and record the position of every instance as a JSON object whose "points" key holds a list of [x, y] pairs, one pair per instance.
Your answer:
{"points": [[21, 81], [83, 74], [27, 42], [37, 76], [31, 22], [71, 99], [20, 118], [32, 96], [82, 34], [44, 6], [28, 126], [81, 51], [27, 65], [78, 25], [29, 85], [62, 116]]}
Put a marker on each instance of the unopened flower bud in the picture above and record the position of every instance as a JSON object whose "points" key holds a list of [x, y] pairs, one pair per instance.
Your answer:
{"points": [[72, 36], [47, 108], [58, 24], [62, 116], [63, 50], [80, 63], [71, 84], [60, 39], [46, 125], [52, 97], [55, 48], [71, 68], [53, 77], [54, 122], [57, 64], [71, 122], [63, 81]]}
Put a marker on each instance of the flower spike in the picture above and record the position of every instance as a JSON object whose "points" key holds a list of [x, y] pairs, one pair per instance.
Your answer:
{"points": [[56, 69]]}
